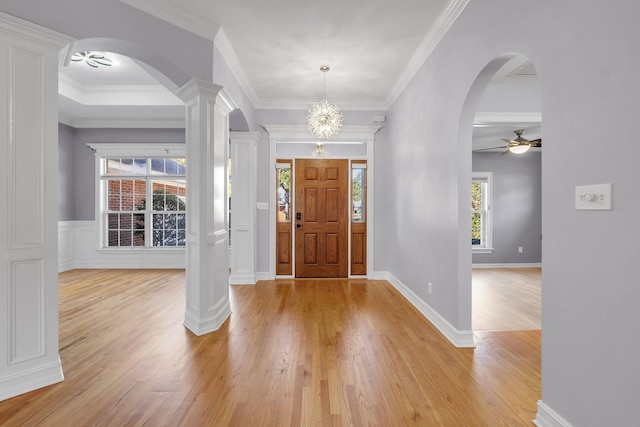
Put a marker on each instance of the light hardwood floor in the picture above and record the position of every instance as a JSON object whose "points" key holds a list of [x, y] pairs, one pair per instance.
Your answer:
{"points": [[506, 299], [293, 353]]}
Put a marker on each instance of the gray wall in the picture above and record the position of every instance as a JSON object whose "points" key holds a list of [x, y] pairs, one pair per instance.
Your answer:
{"points": [[66, 173], [589, 92], [77, 180], [516, 208]]}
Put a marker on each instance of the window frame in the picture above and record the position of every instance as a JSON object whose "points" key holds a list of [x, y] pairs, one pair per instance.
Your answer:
{"points": [[147, 151], [486, 211]]}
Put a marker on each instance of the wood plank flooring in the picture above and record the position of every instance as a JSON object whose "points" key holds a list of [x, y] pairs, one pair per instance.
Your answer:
{"points": [[294, 353], [507, 298]]}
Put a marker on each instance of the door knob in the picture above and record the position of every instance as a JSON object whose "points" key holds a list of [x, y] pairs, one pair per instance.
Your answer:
{"points": [[298, 225]]}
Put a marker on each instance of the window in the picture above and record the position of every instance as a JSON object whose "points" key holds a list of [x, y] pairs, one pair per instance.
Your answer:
{"points": [[142, 200], [283, 174], [358, 191], [481, 212]]}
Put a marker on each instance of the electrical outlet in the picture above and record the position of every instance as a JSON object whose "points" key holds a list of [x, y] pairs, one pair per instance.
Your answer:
{"points": [[430, 288], [519, 249]]}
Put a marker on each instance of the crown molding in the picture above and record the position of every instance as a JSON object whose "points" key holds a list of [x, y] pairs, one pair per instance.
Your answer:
{"points": [[493, 119], [177, 15], [28, 30], [129, 123], [300, 133], [233, 62], [116, 94], [444, 21], [297, 104]]}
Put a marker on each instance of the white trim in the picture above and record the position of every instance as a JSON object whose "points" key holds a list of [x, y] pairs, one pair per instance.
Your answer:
{"points": [[32, 379], [547, 417], [130, 123], [486, 211], [507, 265], [300, 133], [79, 240], [480, 250], [106, 149], [233, 62], [460, 339], [493, 119], [263, 275], [442, 24]]}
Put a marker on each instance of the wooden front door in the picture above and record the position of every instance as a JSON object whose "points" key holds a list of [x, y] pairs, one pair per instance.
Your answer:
{"points": [[321, 217]]}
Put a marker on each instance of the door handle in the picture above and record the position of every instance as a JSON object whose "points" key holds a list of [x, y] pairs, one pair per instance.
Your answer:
{"points": [[298, 225]]}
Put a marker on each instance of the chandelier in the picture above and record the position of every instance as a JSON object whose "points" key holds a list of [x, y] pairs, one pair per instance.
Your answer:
{"points": [[324, 119]]}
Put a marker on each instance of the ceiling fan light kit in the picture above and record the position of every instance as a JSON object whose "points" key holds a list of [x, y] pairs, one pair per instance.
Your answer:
{"points": [[324, 119], [93, 59], [520, 148]]}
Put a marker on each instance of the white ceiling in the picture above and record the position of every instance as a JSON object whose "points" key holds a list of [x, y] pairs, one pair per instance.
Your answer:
{"points": [[275, 49]]}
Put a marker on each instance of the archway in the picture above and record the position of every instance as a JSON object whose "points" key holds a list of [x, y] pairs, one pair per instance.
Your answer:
{"points": [[207, 107], [497, 105]]}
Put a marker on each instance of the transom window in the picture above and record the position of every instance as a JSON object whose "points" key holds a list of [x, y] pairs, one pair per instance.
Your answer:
{"points": [[143, 201]]}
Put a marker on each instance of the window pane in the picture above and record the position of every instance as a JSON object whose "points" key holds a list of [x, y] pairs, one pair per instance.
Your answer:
{"points": [[126, 166], [175, 166], [357, 195], [167, 230], [476, 229], [125, 230], [284, 187], [169, 195], [476, 196]]}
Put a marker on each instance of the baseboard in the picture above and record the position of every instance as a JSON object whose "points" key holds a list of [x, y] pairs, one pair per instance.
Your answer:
{"points": [[508, 265], [460, 339], [30, 380], [263, 275], [211, 321], [242, 279], [547, 417]]}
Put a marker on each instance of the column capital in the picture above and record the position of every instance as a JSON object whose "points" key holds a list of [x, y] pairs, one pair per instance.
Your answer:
{"points": [[198, 88]]}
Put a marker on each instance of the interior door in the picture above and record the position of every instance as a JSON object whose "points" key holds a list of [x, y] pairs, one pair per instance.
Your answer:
{"points": [[321, 217]]}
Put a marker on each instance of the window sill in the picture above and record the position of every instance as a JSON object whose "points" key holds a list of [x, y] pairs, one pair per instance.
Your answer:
{"points": [[482, 250], [142, 250]]}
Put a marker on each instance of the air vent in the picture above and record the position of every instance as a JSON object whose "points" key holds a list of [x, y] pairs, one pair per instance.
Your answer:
{"points": [[524, 71]]}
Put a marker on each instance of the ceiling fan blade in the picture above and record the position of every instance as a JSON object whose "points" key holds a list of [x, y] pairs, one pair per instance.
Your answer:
{"points": [[505, 152], [490, 148], [536, 143]]}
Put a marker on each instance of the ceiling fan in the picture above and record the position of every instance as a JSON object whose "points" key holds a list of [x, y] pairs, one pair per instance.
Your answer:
{"points": [[517, 145]]}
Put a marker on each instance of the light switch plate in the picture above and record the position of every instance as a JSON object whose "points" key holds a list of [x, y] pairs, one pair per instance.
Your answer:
{"points": [[262, 205], [593, 197]]}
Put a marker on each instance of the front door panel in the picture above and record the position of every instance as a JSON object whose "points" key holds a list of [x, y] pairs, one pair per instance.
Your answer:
{"points": [[322, 212]]}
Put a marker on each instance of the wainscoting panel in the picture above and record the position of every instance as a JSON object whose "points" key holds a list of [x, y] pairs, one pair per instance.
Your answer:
{"points": [[78, 245]]}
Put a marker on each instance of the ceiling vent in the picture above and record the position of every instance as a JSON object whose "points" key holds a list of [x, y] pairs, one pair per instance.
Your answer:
{"points": [[526, 70]]}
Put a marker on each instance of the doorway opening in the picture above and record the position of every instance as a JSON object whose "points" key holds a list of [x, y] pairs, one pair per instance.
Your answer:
{"points": [[322, 221], [506, 226]]}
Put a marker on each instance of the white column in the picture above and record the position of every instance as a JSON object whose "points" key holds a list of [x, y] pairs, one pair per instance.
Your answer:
{"points": [[243, 207], [207, 138], [29, 60]]}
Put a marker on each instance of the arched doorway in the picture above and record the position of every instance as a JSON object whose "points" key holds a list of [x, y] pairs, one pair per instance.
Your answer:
{"points": [[505, 194]]}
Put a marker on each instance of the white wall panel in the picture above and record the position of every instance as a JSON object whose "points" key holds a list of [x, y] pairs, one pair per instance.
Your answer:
{"points": [[29, 59], [26, 310], [26, 148]]}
